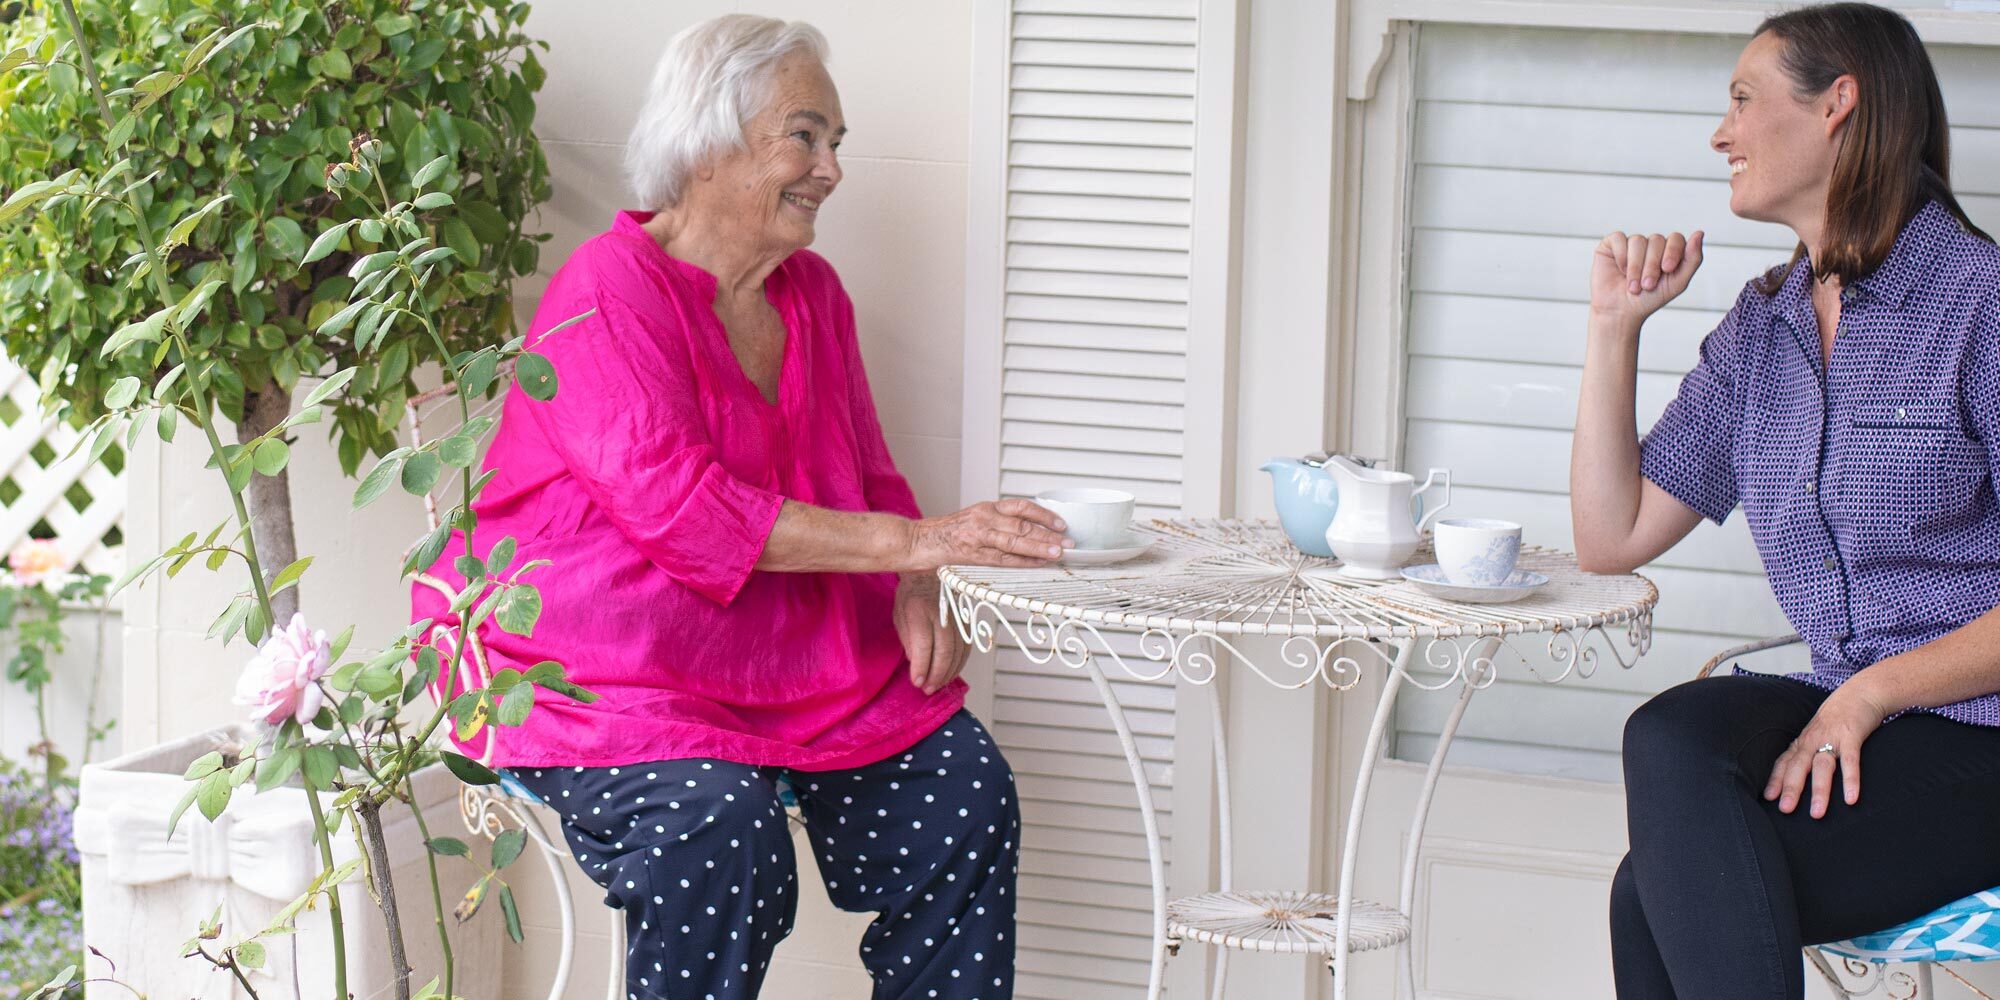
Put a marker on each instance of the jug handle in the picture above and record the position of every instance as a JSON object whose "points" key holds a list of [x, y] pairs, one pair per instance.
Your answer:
{"points": [[1436, 476]]}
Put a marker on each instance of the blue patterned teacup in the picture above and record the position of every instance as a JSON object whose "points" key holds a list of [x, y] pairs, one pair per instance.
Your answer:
{"points": [[1477, 551]]}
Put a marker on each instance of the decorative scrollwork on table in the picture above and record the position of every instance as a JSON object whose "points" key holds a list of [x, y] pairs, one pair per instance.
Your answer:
{"points": [[1211, 592]]}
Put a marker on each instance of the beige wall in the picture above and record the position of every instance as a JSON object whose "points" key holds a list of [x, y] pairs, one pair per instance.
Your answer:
{"points": [[896, 232]]}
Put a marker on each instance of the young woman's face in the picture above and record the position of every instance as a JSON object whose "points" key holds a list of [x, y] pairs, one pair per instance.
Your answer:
{"points": [[1781, 151]]}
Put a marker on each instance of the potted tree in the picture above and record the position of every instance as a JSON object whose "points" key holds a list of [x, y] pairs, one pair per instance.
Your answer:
{"points": [[208, 201]]}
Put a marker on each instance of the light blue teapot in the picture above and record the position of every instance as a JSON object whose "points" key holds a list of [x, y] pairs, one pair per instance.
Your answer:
{"points": [[1308, 498]]}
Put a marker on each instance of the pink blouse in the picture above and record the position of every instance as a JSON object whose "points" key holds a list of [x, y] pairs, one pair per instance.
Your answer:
{"points": [[652, 480]]}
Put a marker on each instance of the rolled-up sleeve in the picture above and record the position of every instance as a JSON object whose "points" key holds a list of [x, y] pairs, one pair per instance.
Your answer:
{"points": [[628, 422], [1689, 450]]}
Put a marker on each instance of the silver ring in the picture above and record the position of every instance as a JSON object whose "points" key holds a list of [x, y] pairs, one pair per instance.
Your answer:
{"points": [[1825, 748]]}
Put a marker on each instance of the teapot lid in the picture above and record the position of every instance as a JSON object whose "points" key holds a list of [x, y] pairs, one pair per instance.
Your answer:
{"points": [[1314, 460]]}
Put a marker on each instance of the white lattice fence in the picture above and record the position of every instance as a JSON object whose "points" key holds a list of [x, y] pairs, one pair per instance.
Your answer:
{"points": [[44, 495]]}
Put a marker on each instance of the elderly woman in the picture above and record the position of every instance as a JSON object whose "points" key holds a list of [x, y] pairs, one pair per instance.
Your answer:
{"points": [[1850, 404], [727, 528]]}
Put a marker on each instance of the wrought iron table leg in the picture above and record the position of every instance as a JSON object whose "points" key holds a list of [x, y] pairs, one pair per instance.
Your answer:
{"points": [[1371, 752], [1225, 839], [1155, 857], [1476, 670]]}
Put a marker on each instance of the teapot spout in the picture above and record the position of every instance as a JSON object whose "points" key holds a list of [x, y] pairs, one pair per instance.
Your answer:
{"points": [[1277, 465]]}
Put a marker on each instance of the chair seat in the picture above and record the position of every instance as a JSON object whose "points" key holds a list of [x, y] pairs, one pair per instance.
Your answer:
{"points": [[514, 789], [1965, 931]]}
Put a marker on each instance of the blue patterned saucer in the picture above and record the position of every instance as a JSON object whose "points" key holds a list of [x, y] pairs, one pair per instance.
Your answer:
{"points": [[1431, 580]]}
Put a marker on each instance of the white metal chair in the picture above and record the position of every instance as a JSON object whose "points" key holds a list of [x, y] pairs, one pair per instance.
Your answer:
{"points": [[1965, 931], [486, 809]]}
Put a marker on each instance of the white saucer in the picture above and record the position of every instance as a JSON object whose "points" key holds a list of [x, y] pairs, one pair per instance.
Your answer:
{"points": [[1430, 579], [1134, 546]]}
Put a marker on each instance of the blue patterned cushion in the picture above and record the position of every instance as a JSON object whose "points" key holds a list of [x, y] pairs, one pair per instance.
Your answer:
{"points": [[1965, 931], [513, 787]]}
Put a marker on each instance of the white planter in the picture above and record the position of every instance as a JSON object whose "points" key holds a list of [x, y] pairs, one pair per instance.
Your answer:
{"points": [[145, 893]]}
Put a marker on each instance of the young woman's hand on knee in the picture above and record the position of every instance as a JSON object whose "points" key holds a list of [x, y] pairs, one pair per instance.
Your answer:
{"points": [[1833, 737]]}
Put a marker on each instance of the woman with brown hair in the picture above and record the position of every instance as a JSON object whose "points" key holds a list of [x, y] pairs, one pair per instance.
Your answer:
{"points": [[1850, 404]]}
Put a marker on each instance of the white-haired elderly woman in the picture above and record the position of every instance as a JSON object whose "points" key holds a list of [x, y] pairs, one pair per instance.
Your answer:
{"points": [[740, 573]]}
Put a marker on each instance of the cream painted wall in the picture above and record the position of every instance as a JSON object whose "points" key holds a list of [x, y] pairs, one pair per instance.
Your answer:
{"points": [[895, 230]]}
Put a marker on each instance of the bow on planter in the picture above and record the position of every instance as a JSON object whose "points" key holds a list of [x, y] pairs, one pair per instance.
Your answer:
{"points": [[263, 844]]}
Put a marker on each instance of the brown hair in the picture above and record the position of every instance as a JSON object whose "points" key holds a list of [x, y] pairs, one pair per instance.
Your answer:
{"points": [[1896, 154]]}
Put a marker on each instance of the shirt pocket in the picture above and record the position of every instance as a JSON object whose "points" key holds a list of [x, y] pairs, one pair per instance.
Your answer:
{"points": [[1910, 466]]}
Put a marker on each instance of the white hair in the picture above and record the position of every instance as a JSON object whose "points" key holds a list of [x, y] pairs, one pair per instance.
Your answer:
{"points": [[712, 79]]}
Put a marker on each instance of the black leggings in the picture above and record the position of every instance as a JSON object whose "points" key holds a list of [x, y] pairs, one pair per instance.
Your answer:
{"points": [[1721, 889]]}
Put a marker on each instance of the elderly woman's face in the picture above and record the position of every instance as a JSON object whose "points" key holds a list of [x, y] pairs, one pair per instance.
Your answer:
{"points": [[774, 186]]}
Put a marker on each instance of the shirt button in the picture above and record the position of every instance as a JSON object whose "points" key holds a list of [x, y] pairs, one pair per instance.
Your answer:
{"points": [[1811, 487], [1832, 564], [1900, 413]]}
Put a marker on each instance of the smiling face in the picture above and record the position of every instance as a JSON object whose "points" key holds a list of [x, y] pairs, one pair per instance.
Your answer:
{"points": [[769, 192], [1781, 150]]}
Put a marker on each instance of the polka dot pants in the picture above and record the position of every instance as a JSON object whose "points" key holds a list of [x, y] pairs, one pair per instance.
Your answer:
{"points": [[698, 854]]}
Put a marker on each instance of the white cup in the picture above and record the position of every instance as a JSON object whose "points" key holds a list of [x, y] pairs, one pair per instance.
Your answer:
{"points": [[1477, 551], [1097, 519]]}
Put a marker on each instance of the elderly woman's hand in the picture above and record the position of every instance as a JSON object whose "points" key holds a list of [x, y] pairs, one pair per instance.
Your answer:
{"points": [[936, 651], [1013, 533]]}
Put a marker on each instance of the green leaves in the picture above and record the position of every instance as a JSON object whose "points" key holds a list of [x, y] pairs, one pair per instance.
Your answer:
{"points": [[450, 847], [536, 375], [327, 242], [420, 473], [290, 574], [468, 770], [122, 393], [507, 847], [478, 373], [341, 320], [325, 390], [459, 450], [26, 196], [430, 172], [271, 456], [515, 705], [519, 609], [286, 238], [334, 63], [145, 331]]}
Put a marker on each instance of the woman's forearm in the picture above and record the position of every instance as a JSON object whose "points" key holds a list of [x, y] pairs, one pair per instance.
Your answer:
{"points": [[1604, 482], [809, 539], [1958, 665]]}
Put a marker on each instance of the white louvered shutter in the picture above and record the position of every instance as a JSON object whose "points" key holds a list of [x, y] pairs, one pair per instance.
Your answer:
{"points": [[1098, 197]]}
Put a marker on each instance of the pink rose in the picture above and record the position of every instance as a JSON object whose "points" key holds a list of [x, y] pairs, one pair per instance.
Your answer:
{"points": [[34, 560], [278, 681]]}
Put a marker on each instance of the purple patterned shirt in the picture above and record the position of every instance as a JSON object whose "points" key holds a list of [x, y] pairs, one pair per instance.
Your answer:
{"points": [[1869, 486]]}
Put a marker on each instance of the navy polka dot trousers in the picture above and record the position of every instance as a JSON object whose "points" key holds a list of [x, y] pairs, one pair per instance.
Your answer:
{"points": [[698, 854]]}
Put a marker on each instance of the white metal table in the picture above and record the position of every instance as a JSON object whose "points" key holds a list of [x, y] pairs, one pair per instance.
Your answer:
{"points": [[1205, 587]]}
